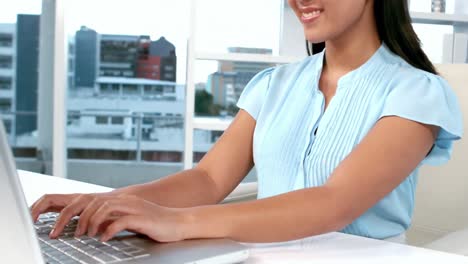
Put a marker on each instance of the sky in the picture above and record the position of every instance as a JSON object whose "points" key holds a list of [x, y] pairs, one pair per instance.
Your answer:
{"points": [[220, 24]]}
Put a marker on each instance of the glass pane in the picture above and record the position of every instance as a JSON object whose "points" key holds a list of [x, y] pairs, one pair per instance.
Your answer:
{"points": [[127, 96], [19, 52], [432, 39], [220, 84], [225, 25], [203, 141], [163, 137]]}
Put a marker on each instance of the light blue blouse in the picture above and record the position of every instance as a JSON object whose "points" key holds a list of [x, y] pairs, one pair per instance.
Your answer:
{"points": [[288, 107]]}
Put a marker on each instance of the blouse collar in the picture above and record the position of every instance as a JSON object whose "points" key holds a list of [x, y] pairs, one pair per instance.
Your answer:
{"points": [[380, 56]]}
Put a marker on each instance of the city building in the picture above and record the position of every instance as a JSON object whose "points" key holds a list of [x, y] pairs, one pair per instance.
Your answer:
{"points": [[166, 51], [227, 84], [27, 62], [107, 121], [122, 56], [7, 73], [119, 55], [86, 57], [19, 44], [158, 60]]}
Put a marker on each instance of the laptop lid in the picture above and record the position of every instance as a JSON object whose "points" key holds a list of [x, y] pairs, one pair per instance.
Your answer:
{"points": [[18, 240]]}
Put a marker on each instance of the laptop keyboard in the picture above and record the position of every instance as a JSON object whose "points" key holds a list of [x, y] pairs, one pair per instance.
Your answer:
{"points": [[68, 249]]}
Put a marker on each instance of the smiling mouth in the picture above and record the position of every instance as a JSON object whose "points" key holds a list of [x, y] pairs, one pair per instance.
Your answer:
{"points": [[311, 14]]}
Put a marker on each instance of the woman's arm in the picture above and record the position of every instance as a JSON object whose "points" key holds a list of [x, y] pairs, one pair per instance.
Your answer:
{"points": [[218, 173], [386, 156]]}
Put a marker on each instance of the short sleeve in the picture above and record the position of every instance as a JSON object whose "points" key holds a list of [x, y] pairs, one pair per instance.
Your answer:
{"points": [[428, 99], [253, 96]]}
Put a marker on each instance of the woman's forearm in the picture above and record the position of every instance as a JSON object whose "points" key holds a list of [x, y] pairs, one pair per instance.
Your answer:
{"points": [[285, 217], [184, 189]]}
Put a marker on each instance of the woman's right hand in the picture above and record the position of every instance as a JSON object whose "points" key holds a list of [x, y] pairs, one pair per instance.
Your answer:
{"points": [[70, 205]]}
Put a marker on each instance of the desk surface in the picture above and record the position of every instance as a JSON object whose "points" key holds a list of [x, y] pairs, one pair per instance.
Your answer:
{"points": [[328, 248]]}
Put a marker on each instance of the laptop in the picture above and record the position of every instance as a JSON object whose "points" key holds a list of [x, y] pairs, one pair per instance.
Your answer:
{"points": [[26, 242]]}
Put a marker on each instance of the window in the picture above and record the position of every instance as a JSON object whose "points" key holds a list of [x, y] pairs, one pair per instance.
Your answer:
{"points": [[71, 64], [169, 89], [6, 40], [5, 83], [223, 86], [231, 32], [5, 105], [7, 124], [148, 120], [123, 57], [102, 120], [153, 89], [6, 62], [125, 74], [104, 88], [437, 36], [73, 117], [432, 40], [117, 120], [220, 74], [130, 89]]}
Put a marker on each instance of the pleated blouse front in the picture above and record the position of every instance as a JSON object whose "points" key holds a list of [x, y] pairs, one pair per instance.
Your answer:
{"points": [[298, 145]]}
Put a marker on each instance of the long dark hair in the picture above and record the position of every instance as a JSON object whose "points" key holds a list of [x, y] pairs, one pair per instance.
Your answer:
{"points": [[395, 30]]}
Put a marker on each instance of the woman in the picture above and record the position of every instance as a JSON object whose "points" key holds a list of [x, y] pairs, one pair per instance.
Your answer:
{"points": [[336, 140]]}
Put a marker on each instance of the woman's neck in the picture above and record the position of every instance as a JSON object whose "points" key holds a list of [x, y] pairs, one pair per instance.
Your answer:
{"points": [[354, 47]]}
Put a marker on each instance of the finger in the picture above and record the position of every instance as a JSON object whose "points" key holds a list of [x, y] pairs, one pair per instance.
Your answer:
{"points": [[117, 206], [73, 209], [128, 222], [40, 206], [106, 223], [85, 216], [47, 202]]}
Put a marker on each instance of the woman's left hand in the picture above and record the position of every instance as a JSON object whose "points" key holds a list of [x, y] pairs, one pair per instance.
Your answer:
{"points": [[135, 214]]}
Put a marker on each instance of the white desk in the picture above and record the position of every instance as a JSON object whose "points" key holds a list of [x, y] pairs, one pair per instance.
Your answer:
{"points": [[328, 248]]}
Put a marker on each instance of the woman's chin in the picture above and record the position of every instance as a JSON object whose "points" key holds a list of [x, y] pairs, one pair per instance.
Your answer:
{"points": [[313, 37]]}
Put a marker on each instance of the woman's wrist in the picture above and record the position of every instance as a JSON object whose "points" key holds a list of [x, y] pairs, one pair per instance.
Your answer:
{"points": [[129, 190], [203, 222]]}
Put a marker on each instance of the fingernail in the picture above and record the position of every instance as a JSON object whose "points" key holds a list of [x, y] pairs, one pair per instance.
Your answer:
{"points": [[52, 233], [77, 232]]}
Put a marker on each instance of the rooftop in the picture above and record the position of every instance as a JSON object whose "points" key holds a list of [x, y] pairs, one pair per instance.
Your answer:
{"points": [[123, 80]]}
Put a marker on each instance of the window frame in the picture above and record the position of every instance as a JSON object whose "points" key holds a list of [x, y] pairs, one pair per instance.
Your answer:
{"points": [[191, 123]]}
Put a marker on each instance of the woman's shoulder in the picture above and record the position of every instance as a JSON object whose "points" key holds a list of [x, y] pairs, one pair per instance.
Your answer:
{"points": [[404, 73], [271, 84]]}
